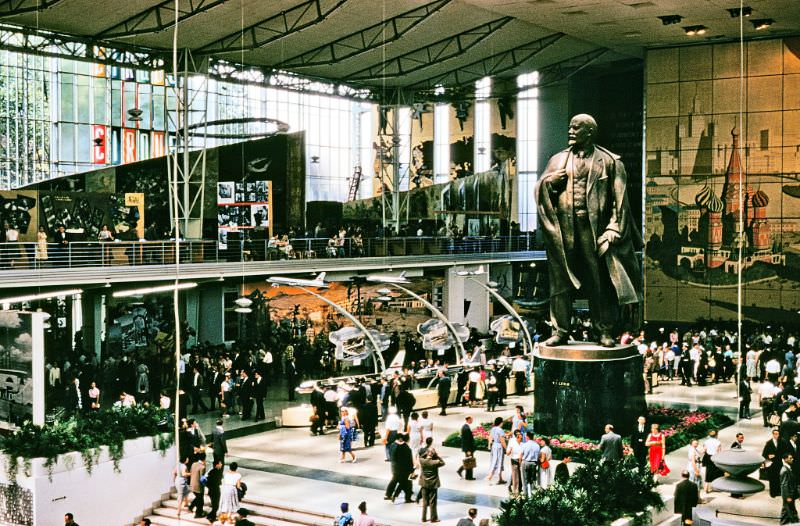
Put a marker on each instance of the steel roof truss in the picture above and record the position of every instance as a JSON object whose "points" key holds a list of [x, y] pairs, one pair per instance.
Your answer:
{"points": [[158, 18], [277, 26], [364, 40], [431, 54]]}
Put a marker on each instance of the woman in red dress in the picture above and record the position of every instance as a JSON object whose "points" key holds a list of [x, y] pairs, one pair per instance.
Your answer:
{"points": [[657, 443]]}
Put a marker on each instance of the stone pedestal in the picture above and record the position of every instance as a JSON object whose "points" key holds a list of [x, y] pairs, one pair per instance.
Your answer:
{"points": [[581, 387]]}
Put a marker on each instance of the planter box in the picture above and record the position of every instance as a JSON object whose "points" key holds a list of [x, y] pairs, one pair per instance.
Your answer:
{"points": [[41, 497]]}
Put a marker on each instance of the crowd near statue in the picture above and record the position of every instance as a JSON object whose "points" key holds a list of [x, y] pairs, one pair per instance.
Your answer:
{"points": [[590, 235]]}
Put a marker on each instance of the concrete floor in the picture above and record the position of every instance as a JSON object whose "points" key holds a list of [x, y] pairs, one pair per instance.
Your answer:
{"points": [[290, 465]]}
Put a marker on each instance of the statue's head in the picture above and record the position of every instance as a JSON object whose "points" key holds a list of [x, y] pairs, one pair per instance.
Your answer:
{"points": [[582, 130]]}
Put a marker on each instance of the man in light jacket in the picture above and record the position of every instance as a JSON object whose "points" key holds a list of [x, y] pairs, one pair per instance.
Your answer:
{"points": [[611, 445]]}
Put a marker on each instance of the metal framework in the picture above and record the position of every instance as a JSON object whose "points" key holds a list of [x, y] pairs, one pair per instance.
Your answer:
{"points": [[19, 7], [566, 68], [393, 173], [273, 28], [186, 162], [492, 65], [49, 44], [432, 54], [158, 18], [372, 37]]}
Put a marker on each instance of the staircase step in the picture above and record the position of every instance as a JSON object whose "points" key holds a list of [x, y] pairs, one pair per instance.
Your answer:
{"points": [[281, 513], [168, 517]]}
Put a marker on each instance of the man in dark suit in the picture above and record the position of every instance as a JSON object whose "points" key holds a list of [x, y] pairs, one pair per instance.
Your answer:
{"points": [[219, 443], [259, 393], [62, 245], [213, 382], [243, 520], [772, 452], [744, 398], [611, 445], [467, 446], [687, 494], [291, 378], [402, 466], [788, 490], [196, 391], [638, 438], [318, 406], [368, 418], [739, 442], [213, 483], [245, 395], [443, 386]]}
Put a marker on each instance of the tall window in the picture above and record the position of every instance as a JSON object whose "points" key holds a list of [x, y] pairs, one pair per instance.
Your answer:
{"points": [[404, 132], [441, 142], [527, 146], [366, 153], [483, 142]]}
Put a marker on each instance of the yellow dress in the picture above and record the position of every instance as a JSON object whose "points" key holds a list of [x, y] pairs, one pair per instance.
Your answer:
{"points": [[41, 245]]}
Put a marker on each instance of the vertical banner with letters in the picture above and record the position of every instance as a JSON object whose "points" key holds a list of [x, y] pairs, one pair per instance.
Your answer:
{"points": [[99, 152], [128, 145]]}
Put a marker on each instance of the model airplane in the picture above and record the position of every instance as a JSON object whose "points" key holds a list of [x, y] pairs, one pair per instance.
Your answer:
{"points": [[388, 278], [318, 281]]}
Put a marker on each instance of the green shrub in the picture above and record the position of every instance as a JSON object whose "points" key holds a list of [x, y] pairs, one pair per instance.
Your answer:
{"points": [[597, 494], [85, 434]]}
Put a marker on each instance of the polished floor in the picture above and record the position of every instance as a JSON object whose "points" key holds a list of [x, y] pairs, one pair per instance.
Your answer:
{"points": [[288, 464]]}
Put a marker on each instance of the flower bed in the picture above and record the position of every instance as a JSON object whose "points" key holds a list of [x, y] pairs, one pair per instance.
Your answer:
{"points": [[679, 426]]}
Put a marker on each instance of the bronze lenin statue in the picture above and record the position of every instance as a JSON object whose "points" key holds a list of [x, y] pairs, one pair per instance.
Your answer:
{"points": [[589, 234]]}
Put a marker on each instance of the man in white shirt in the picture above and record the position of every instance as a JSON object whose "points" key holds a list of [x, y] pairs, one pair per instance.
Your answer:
{"points": [[391, 428]]}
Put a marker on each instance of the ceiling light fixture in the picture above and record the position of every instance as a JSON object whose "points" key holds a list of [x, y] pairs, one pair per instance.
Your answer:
{"points": [[135, 114], [153, 290], [695, 30], [736, 12], [43, 296], [763, 23], [668, 20]]}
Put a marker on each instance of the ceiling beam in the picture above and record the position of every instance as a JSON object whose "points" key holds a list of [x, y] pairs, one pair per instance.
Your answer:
{"points": [[277, 26], [158, 18], [563, 70], [432, 54], [375, 36], [18, 7], [492, 65]]}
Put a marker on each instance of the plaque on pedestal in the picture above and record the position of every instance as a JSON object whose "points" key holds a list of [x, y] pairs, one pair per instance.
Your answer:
{"points": [[583, 386]]}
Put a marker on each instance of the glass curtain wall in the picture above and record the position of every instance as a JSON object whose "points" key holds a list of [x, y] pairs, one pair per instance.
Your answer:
{"points": [[527, 146], [60, 116]]}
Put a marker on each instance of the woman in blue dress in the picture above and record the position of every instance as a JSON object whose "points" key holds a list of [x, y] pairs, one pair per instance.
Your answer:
{"points": [[346, 429], [497, 446]]}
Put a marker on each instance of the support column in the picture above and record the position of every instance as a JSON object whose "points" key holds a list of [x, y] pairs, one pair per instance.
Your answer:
{"points": [[76, 321], [464, 300], [210, 315], [191, 302]]}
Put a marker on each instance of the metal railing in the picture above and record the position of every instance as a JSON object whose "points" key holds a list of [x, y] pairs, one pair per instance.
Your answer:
{"points": [[139, 253]]}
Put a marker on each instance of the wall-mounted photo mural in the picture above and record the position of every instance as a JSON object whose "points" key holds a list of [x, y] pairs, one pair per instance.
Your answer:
{"points": [[723, 195]]}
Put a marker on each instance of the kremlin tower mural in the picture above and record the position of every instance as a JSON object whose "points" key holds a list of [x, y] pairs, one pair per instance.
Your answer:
{"points": [[723, 193]]}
